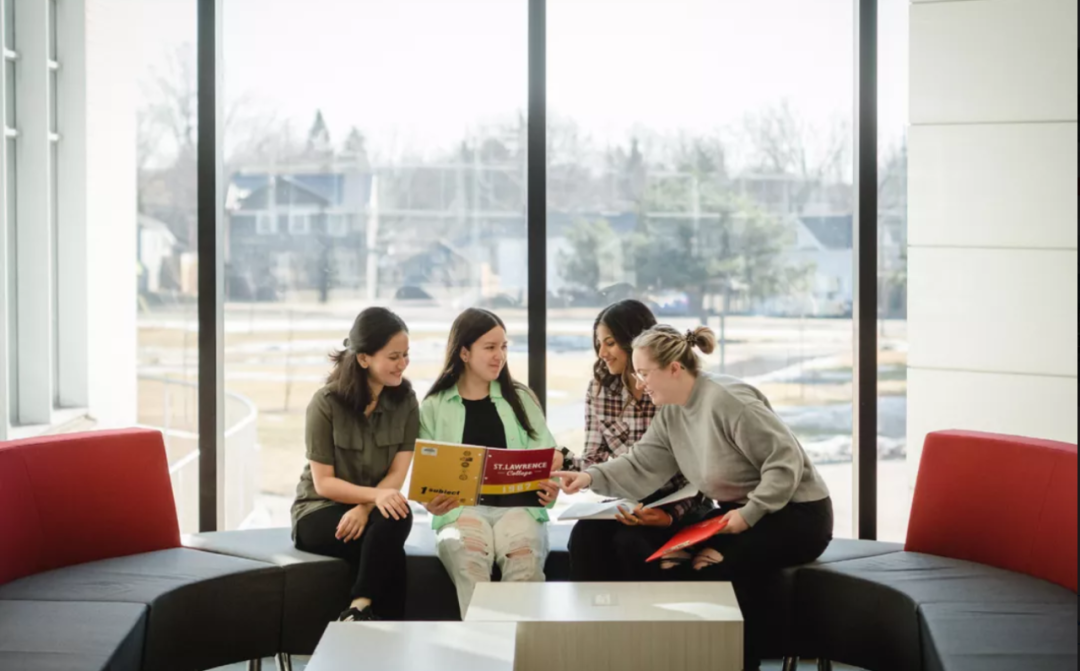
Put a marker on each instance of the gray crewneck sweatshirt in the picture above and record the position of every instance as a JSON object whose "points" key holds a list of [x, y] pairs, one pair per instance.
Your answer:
{"points": [[728, 443]]}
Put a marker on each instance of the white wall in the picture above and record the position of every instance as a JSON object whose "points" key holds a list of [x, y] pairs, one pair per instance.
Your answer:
{"points": [[76, 352], [992, 316], [111, 71]]}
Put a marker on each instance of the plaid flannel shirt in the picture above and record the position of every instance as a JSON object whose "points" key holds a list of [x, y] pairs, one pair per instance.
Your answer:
{"points": [[614, 422]]}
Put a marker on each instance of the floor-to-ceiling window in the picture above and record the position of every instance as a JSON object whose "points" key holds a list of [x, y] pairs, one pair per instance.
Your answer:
{"points": [[895, 473], [703, 166], [374, 155], [700, 160], [166, 128]]}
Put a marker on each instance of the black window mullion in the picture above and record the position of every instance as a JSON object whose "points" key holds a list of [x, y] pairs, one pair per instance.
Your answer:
{"points": [[211, 269], [866, 262], [537, 198]]}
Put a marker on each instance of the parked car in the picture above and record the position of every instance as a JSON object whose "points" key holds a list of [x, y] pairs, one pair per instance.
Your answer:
{"points": [[411, 292], [498, 302], [669, 304], [618, 292]]}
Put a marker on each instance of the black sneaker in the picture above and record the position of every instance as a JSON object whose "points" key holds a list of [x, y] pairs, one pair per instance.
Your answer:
{"points": [[357, 615]]}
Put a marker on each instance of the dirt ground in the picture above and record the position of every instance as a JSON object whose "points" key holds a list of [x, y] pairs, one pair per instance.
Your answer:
{"points": [[278, 370]]}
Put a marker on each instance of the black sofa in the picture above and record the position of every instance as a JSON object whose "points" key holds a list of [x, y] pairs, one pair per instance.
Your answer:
{"points": [[960, 595], [113, 590], [93, 574]]}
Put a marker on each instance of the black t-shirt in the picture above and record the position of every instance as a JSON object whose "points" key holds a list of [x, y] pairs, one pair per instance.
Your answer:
{"points": [[483, 427]]}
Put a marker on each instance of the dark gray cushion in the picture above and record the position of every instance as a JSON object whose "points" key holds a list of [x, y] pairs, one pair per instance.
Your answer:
{"points": [[431, 594], [776, 636], [846, 549], [932, 579], [865, 611], [206, 609], [557, 568], [316, 588], [70, 636], [991, 636]]}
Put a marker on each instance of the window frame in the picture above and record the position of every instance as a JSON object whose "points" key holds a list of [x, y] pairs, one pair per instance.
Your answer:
{"points": [[211, 249]]}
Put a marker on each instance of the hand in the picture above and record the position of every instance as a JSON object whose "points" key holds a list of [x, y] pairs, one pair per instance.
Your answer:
{"points": [[352, 524], [571, 482], [642, 516], [735, 523], [441, 504], [391, 503], [549, 491]]}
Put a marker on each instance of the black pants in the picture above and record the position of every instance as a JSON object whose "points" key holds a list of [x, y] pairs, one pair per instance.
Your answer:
{"points": [[378, 556], [609, 551], [796, 534]]}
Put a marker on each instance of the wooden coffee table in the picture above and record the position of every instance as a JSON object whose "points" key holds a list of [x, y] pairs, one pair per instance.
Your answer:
{"points": [[673, 626], [415, 646]]}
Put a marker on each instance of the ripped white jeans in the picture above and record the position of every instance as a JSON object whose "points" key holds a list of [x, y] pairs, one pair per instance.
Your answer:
{"points": [[482, 536]]}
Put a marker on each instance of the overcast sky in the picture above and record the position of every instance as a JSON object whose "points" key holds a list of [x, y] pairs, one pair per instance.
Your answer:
{"points": [[419, 74]]}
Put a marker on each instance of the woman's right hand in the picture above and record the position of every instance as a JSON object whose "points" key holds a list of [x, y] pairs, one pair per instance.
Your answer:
{"points": [[571, 482], [352, 524], [441, 504], [391, 503]]}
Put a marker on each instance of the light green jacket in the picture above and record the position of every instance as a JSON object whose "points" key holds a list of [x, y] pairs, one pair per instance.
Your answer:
{"points": [[442, 418]]}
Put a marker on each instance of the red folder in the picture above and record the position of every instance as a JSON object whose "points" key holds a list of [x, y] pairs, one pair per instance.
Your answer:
{"points": [[691, 535]]}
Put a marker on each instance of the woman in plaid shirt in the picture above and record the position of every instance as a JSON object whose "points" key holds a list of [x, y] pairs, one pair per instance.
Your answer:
{"points": [[617, 414]]}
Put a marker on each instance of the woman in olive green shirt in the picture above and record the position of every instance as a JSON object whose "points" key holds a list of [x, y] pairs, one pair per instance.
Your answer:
{"points": [[476, 401], [360, 433]]}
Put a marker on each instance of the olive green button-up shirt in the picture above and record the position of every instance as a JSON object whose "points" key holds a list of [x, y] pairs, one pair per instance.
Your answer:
{"points": [[360, 449]]}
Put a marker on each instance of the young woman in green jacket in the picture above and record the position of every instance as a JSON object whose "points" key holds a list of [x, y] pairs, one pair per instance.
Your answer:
{"points": [[475, 401]]}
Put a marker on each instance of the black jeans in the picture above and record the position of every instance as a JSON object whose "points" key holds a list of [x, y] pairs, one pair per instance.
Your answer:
{"points": [[796, 534], [378, 556], [609, 551]]}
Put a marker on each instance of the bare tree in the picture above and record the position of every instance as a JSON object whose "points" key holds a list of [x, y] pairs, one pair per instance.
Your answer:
{"points": [[781, 143], [167, 137]]}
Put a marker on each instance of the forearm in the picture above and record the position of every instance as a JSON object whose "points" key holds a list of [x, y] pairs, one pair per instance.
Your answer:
{"points": [[773, 493], [767, 440], [626, 477], [392, 481], [339, 490], [595, 451]]}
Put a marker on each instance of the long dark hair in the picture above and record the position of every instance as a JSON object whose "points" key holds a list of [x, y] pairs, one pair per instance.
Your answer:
{"points": [[626, 320], [469, 327], [348, 381]]}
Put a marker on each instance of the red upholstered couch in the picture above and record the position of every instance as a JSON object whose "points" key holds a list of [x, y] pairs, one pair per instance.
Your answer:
{"points": [[998, 500], [91, 569], [987, 578], [88, 527], [73, 499]]}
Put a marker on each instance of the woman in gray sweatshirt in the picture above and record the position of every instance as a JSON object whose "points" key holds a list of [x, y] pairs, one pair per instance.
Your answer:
{"points": [[723, 435]]}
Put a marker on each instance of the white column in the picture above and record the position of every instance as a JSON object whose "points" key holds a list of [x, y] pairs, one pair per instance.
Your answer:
{"points": [[72, 239], [34, 279], [110, 253], [993, 210], [6, 327]]}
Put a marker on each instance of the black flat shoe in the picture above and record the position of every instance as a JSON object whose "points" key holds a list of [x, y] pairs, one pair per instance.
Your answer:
{"points": [[357, 615]]}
